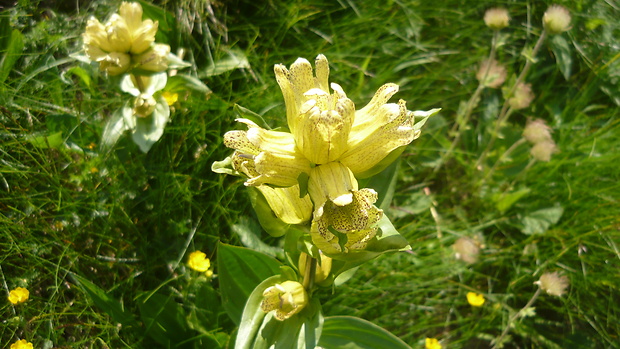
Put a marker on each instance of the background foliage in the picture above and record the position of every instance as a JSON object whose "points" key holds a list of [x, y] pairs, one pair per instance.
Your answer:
{"points": [[125, 220]]}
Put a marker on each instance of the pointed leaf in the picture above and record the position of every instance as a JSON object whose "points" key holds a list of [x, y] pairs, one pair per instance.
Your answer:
{"points": [[539, 221], [349, 332], [164, 319]]}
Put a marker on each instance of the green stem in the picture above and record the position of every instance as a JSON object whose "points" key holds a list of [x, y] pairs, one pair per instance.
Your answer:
{"points": [[506, 153], [504, 113], [309, 274], [498, 341]]}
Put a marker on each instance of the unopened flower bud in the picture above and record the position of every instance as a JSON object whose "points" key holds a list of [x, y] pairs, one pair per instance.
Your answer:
{"points": [[115, 63], [537, 131], [466, 249], [556, 19], [522, 97], [553, 283], [155, 59], [496, 18], [144, 105], [322, 269], [287, 299], [542, 151], [491, 74]]}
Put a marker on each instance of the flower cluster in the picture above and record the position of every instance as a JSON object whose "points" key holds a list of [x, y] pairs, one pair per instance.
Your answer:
{"points": [[124, 42], [539, 135], [329, 146]]}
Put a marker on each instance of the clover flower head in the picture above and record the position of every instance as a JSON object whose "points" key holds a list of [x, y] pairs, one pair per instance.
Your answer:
{"points": [[198, 261], [18, 295], [542, 151], [496, 18], [553, 283], [522, 97], [286, 299], [21, 344], [466, 249], [432, 343], [475, 299], [556, 19], [491, 73], [537, 131]]}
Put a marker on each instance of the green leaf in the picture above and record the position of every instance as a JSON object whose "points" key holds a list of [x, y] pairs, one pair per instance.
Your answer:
{"points": [[562, 51], [235, 59], [183, 81], [82, 75], [249, 233], [539, 221], [11, 54], [106, 303], [253, 316], [164, 319], [246, 113], [115, 126], [349, 332], [240, 270], [53, 140], [384, 183], [504, 201]]}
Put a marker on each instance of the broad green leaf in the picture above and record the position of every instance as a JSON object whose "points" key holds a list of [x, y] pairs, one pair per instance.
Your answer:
{"points": [[240, 270], [105, 302], [539, 221], [245, 113], [249, 234], [349, 332], [53, 140], [115, 127], [183, 81], [562, 51], [11, 54], [83, 75], [235, 59], [504, 201], [163, 319], [150, 129]]}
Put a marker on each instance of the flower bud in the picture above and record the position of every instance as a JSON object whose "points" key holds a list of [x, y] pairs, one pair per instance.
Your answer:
{"points": [[322, 269], [491, 74], [155, 59], [556, 19], [496, 18], [115, 63], [553, 283], [522, 97], [542, 151], [287, 299], [537, 131], [144, 105]]}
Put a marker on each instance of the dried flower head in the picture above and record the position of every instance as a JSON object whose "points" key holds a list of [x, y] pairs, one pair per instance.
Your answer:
{"points": [[537, 131], [542, 151], [522, 97], [432, 343], [556, 19], [18, 295], [198, 261], [475, 299], [21, 344], [496, 18], [466, 249], [491, 73], [553, 283]]}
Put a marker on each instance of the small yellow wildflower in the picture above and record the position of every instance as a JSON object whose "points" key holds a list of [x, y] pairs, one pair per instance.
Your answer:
{"points": [[287, 299], [475, 299], [21, 344], [432, 343], [198, 261], [18, 295], [209, 273], [170, 97]]}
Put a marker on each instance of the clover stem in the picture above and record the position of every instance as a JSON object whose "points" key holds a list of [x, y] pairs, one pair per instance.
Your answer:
{"points": [[505, 154], [498, 341], [504, 114]]}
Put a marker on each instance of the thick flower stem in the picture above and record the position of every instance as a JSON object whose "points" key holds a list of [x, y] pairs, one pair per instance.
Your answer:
{"points": [[498, 341], [504, 114], [309, 274]]}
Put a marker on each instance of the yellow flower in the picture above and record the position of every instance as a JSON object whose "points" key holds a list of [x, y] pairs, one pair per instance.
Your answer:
{"points": [[21, 344], [323, 267], [144, 105], [18, 295], [155, 59], [170, 97], [475, 299], [287, 299], [198, 261], [432, 343], [286, 203]]}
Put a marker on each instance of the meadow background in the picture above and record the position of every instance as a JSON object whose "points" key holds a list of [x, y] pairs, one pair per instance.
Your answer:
{"points": [[126, 220]]}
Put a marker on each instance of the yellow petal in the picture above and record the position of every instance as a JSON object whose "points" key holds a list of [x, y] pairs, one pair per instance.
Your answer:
{"points": [[132, 14], [155, 59], [286, 204], [144, 36], [331, 182], [119, 36], [287, 299]]}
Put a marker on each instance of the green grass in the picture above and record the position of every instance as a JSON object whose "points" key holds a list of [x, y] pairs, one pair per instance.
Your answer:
{"points": [[125, 220]]}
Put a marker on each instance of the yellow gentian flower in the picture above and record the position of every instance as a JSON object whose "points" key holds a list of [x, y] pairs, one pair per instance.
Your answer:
{"points": [[287, 299], [198, 261], [21, 344], [18, 295], [475, 299]]}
